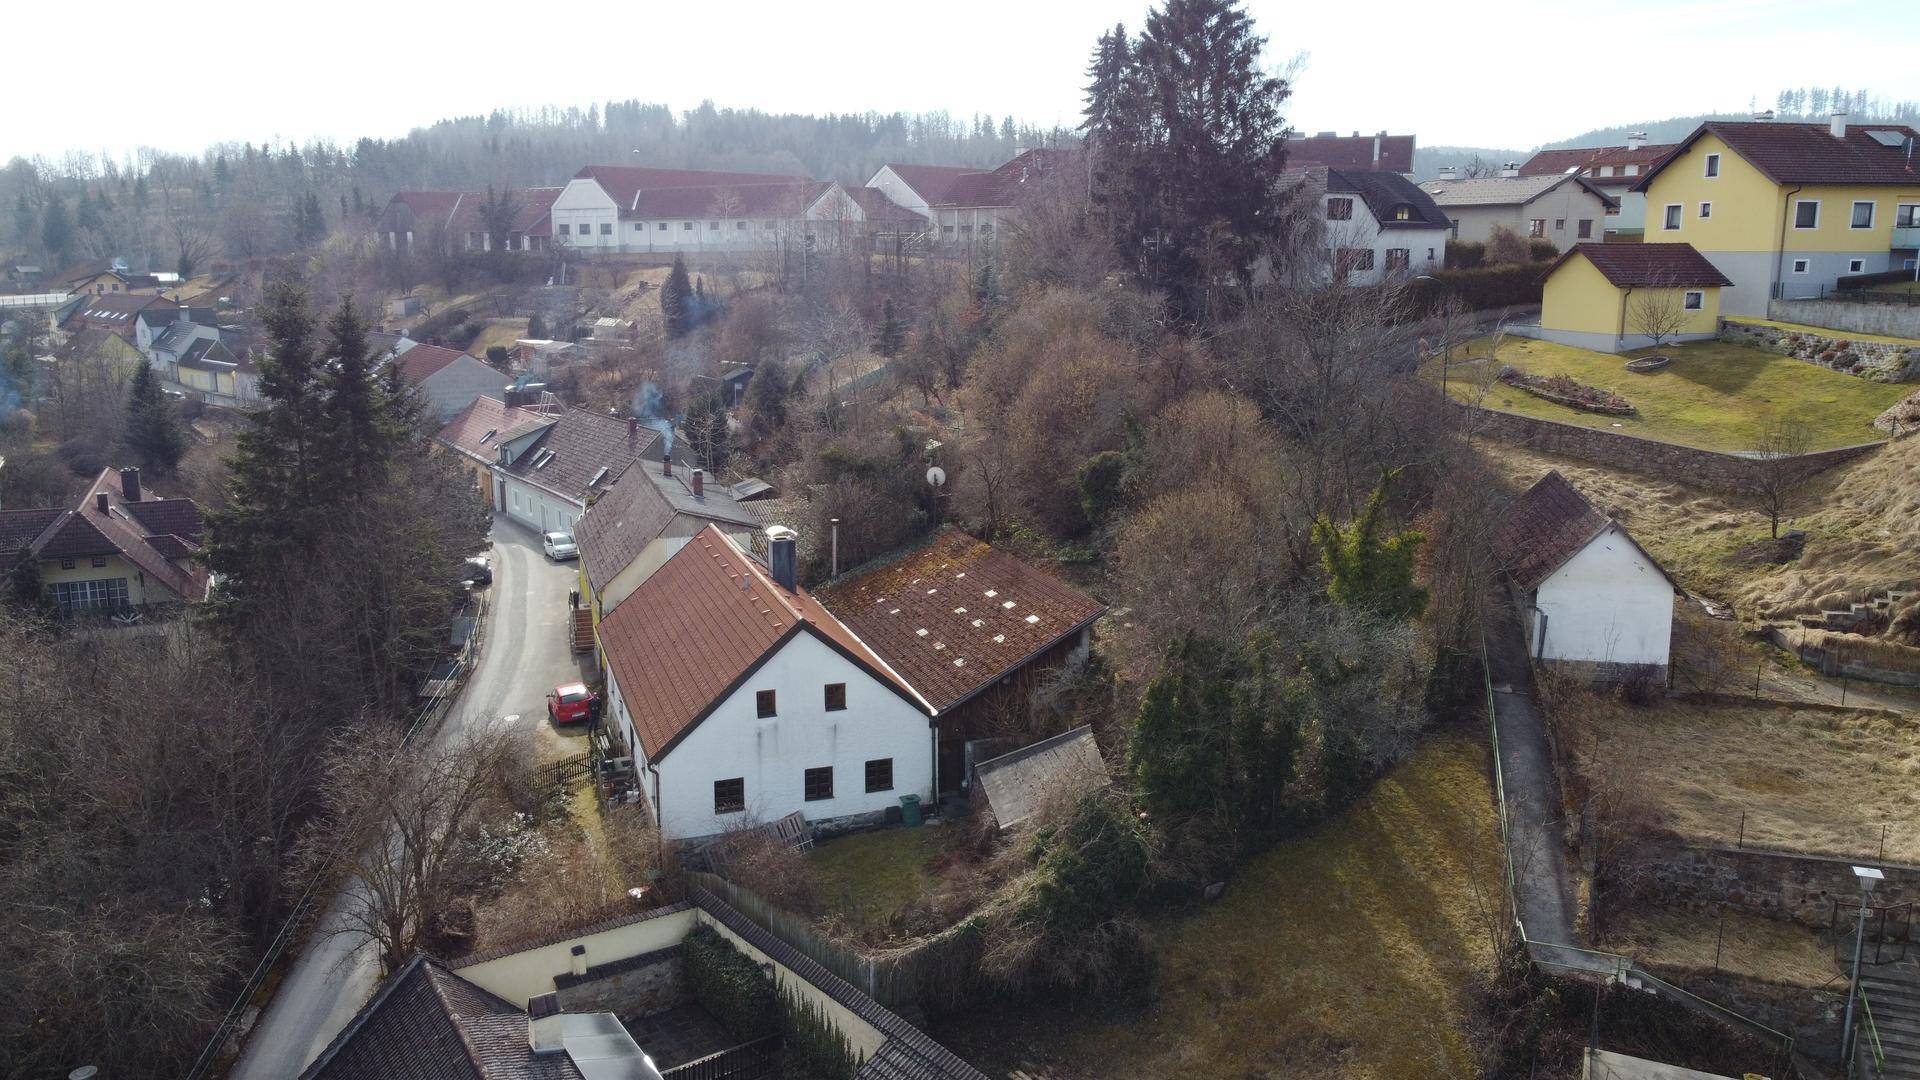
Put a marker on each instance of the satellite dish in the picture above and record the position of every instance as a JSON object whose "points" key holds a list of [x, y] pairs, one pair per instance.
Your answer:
{"points": [[936, 477]]}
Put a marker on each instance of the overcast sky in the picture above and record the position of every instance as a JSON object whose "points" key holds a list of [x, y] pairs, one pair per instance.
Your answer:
{"points": [[1504, 74]]}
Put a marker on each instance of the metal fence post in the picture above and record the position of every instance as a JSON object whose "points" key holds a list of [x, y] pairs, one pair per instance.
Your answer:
{"points": [[1742, 840]]}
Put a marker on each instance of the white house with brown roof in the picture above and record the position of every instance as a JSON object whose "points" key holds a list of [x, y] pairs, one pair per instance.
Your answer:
{"points": [[629, 210], [1613, 169], [1563, 209], [448, 379], [741, 699], [1379, 225], [968, 208], [1592, 599]]}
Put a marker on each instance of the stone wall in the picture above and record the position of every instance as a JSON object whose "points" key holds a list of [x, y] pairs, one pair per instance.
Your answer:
{"points": [[1891, 320], [1797, 888], [1668, 461], [1879, 361], [635, 986], [1812, 1016]]}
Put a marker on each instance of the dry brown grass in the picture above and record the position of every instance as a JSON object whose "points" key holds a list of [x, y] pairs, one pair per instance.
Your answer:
{"points": [[1812, 780], [1673, 938]]}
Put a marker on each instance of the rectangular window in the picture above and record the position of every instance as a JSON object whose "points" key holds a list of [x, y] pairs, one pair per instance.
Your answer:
{"points": [[1673, 216], [1339, 209], [686, 226], [1907, 217], [662, 227], [1560, 224], [1806, 214], [1586, 228], [79, 597], [1399, 258], [639, 226], [1694, 300], [606, 229], [740, 226], [986, 229], [1854, 266], [1706, 209], [713, 226], [1799, 266], [880, 774], [836, 696], [820, 784], [730, 796], [66, 564], [966, 230], [946, 230], [1604, 170], [1536, 227], [1713, 165], [563, 229], [473, 239], [763, 704], [1631, 170], [1863, 214]]}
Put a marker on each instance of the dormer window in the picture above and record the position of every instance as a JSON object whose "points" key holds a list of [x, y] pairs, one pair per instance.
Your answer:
{"points": [[1403, 213]]}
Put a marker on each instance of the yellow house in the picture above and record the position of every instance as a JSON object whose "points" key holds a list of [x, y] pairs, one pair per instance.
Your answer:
{"points": [[1615, 297], [1785, 210], [120, 550]]}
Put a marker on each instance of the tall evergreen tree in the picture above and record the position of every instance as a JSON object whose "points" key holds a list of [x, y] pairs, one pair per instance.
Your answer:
{"points": [[676, 300], [892, 334], [1189, 144], [361, 421], [56, 229], [26, 586], [155, 437]]}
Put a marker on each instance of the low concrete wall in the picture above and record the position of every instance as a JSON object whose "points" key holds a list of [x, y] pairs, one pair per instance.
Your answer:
{"points": [[1892, 320], [1795, 888], [1669, 461], [529, 971], [1879, 361]]}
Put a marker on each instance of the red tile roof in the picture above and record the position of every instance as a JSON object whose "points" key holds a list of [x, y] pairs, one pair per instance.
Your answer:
{"points": [[930, 181], [706, 619], [784, 199], [955, 616], [877, 207], [1395, 152], [422, 362], [1003, 186], [479, 428], [1809, 154], [1669, 266]]}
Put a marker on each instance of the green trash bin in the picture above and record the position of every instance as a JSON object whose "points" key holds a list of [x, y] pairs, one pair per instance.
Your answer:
{"points": [[910, 810]]}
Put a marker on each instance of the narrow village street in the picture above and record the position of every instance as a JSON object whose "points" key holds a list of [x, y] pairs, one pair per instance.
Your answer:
{"points": [[524, 654]]}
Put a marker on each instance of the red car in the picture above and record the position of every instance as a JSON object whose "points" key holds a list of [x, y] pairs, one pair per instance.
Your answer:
{"points": [[571, 703]]}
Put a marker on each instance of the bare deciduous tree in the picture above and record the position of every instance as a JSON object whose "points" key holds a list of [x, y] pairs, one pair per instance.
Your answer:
{"points": [[1657, 313], [1778, 467]]}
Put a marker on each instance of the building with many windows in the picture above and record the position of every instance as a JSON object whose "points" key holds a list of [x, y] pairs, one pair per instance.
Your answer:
{"points": [[1566, 209], [1379, 225]]}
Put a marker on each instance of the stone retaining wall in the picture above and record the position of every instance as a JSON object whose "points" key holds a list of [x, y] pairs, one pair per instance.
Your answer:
{"points": [[1879, 361], [1812, 1016], [1796, 888], [637, 986], [1891, 320], [1669, 461]]}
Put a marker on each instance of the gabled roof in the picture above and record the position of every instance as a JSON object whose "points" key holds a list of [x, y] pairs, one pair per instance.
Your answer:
{"points": [[209, 354], [117, 311], [427, 1023], [422, 362], [705, 621], [786, 198], [581, 452], [1665, 266], [1789, 153], [1372, 153], [1503, 190], [875, 205], [485, 423], [1003, 186], [640, 506], [625, 183], [955, 615], [150, 534], [929, 182], [1585, 159], [1549, 525], [1386, 193]]}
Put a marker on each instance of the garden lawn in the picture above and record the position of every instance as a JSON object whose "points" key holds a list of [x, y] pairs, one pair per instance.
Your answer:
{"points": [[1715, 395], [868, 877], [1351, 951]]}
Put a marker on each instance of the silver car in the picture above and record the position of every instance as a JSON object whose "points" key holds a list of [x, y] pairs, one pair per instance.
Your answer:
{"points": [[559, 546]]}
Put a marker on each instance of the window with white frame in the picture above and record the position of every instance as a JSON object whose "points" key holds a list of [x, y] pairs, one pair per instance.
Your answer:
{"points": [[1586, 229], [1399, 258], [1799, 266], [1560, 224], [713, 226], [1694, 300], [79, 597], [1536, 227], [1706, 209], [563, 228], [1862, 214], [606, 228], [1630, 170], [1907, 216], [1673, 216], [686, 226], [1854, 266], [1806, 214], [1713, 166], [662, 227], [639, 226]]}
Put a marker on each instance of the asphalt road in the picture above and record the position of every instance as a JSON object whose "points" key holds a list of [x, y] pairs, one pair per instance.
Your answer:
{"points": [[525, 653]]}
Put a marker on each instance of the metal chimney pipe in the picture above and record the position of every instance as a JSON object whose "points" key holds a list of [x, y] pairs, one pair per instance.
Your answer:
{"points": [[835, 562]]}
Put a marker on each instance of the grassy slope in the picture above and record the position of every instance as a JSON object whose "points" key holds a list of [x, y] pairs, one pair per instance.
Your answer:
{"points": [[1350, 952], [1671, 938], [1715, 395], [868, 877]]}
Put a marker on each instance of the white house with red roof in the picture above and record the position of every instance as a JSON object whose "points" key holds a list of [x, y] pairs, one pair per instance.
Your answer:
{"points": [[742, 699], [968, 208], [454, 219], [616, 209], [448, 379]]}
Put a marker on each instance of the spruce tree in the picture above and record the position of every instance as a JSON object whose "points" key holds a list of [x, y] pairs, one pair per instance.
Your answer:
{"points": [[155, 437], [56, 229], [893, 333], [26, 587], [676, 300], [359, 420]]}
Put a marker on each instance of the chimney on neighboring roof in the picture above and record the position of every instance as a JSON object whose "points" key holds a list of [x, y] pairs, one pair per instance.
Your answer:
{"points": [[1448, 172], [579, 959], [101, 503], [1510, 169], [1376, 149], [1636, 140], [130, 484], [781, 556], [699, 484], [1837, 126], [633, 429], [666, 463], [545, 1034]]}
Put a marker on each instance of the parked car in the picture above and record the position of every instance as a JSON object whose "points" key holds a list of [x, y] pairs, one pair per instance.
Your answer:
{"points": [[560, 546], [476, 571], [571, 703]]}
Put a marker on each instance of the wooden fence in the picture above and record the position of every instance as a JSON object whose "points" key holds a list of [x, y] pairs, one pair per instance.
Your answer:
{"points": [[748, 1061]]}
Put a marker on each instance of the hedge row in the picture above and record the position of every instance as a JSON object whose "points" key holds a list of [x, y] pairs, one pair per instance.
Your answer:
{"points": [[1482, 288], [729, 986]]}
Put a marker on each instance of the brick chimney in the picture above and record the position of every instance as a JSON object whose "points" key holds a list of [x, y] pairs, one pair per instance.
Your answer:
{"points": [[666, 464], [130, 484], [633, 429], [699, 483]]}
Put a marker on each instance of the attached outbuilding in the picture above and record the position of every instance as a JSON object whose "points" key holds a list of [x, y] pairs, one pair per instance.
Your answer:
{"points": [[1617, 297], [1593, 601]]}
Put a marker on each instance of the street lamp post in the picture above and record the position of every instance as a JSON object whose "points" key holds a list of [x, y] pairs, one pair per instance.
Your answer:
{"points": [[1868, 877]]}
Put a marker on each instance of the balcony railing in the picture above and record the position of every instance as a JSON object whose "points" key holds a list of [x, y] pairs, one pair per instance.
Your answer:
{"points": [[1908, 237]]}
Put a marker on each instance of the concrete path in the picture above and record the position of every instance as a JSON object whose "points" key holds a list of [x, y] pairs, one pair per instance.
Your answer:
{"points": [[525, 653]]}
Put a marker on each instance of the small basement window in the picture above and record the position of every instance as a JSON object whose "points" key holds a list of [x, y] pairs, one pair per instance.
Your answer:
{"points": [[763, 704]]}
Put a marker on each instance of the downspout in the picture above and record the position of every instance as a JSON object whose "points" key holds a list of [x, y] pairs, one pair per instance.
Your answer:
{"points": [[1780, 249], [1540, 645], [1620, 336]]}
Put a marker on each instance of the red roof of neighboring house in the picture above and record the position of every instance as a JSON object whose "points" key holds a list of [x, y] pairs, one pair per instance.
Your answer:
{"points": [[625, 183], [877, 207], [784, 199], [1002, 186], [459, 211], [1809, 154], [930, 181], [422, 362], [1586, 159], [156, 535], [707, 619], [1668, 266], [956, 616], [1366, 153], [484, 424]]}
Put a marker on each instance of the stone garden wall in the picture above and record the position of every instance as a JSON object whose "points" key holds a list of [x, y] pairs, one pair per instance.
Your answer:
{"points": [[1888, 320], [1879, 361], [638, 985], [1796, 888]]}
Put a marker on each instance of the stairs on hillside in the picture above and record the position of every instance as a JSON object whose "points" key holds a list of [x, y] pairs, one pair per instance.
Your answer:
{"points": [[1874, 610], [582, 630], [1893, 1000]]}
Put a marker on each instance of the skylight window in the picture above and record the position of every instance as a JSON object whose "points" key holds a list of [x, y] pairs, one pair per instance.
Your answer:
{"points": [[599, 476], [1008, 605], [1033, 618], [488, 437]]}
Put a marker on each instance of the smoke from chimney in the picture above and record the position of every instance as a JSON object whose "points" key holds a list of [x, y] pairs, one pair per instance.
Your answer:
{"points": [[649, 407]]}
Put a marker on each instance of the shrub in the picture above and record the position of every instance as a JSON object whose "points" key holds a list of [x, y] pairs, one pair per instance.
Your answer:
{"points": [[813, 1048], [1542, 250], [729, 985], [1506, 246], [1481, 289], [439, 326], [1466, 254]]}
